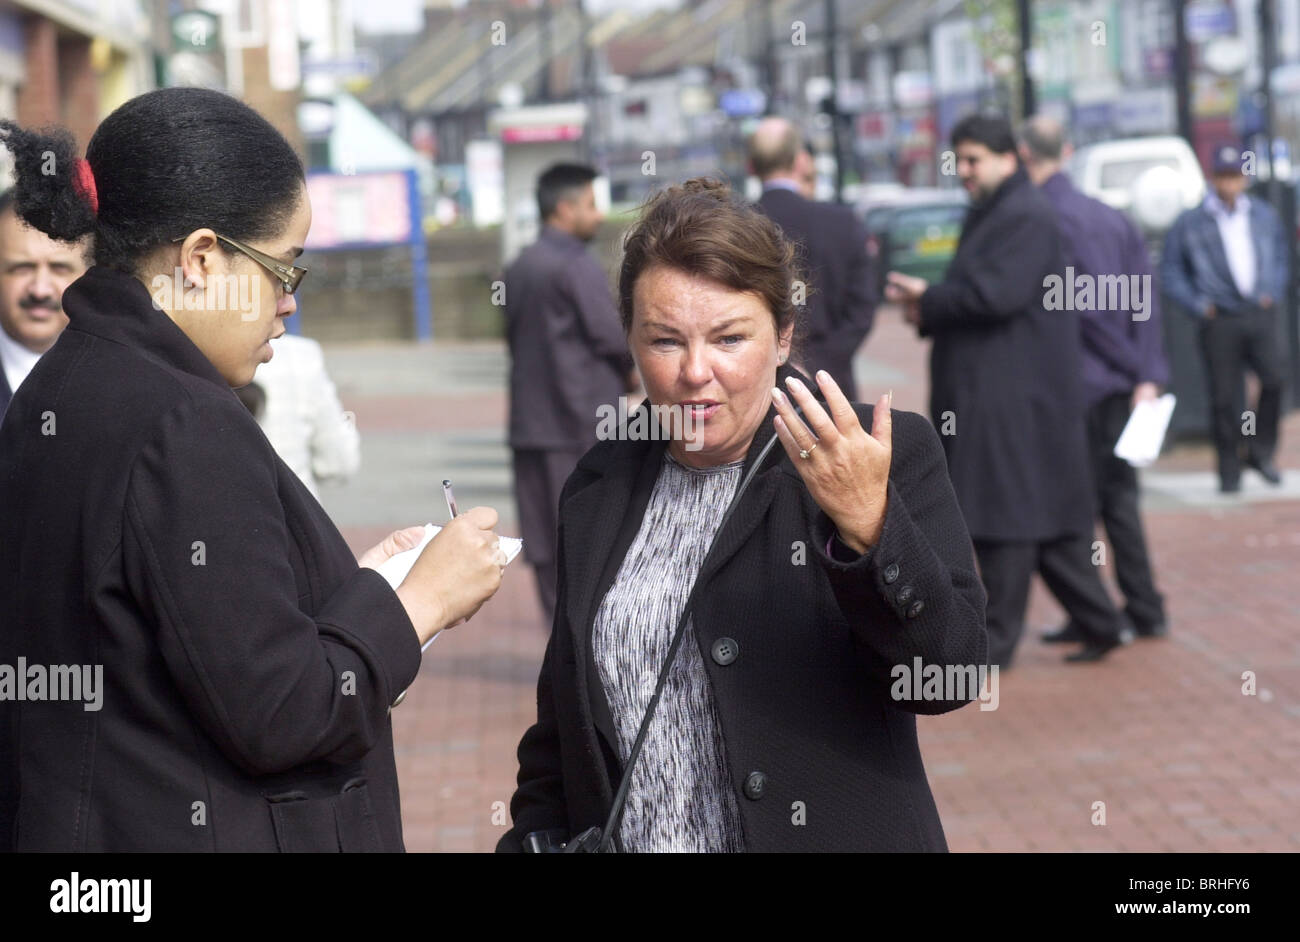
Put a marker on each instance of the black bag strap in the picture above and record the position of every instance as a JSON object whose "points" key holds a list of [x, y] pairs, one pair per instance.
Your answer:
{"points": [[594, 839]]}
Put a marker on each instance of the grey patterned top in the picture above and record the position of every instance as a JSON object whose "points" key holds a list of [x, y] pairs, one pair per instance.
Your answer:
{"points": [[680, 798]]}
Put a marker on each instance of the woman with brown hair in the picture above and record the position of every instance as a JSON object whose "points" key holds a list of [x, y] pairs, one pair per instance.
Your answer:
{"points": [[777, 721]]}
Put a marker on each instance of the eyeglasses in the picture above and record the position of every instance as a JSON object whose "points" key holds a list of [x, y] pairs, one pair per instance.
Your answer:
{"points": [[289, 276]]}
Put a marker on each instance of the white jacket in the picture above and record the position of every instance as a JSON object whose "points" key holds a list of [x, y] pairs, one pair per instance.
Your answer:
{"points": [[303, 418]]}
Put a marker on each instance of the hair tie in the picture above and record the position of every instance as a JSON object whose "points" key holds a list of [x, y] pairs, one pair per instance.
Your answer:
{"points": [[83, 181]]}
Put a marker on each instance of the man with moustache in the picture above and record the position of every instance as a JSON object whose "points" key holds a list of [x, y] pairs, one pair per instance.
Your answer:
{"points": [[34, 270], [1006, 396]]}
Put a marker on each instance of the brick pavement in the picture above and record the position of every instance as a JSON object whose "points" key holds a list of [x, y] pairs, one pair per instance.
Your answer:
{"points": [[1160, 732]]}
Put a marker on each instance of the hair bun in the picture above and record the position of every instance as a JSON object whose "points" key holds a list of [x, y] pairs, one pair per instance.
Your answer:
{"points": [[47, 195], [708, 186]]}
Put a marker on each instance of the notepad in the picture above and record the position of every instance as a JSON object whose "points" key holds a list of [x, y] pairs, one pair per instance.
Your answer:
{"points": [[396, 567], [1144, 433]]}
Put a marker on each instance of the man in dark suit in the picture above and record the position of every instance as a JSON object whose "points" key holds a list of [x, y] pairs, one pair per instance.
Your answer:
{"points": [[1123, 360], [840, 297], [568, 357], [1225, 262], [1006, 396], [34, 270]]}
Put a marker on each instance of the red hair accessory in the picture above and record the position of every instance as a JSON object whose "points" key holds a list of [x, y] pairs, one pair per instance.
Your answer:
{"points": [[83, 180]]}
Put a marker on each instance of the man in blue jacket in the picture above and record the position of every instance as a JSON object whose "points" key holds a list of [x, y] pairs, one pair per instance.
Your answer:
{"points": [[1123, 358], [1226, 262]]}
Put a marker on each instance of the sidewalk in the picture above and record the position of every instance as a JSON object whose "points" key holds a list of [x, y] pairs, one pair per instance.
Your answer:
{"points": [[1160, 732]]}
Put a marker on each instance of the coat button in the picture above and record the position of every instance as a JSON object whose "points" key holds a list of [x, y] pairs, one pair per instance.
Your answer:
{"points": [[891, 573], [754, 785], [915, 609], [905, 595], [725, 650]]}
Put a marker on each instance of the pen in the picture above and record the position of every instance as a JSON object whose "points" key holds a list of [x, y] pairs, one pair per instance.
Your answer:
{"points": [[451, 498]]}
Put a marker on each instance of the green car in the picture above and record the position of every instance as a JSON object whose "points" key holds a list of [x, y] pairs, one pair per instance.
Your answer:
{"points": [[916, 235]]}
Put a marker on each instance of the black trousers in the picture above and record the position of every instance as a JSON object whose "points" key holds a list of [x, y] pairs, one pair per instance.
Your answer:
{"points": [[1066, 567], [540, 474], [1230, 343], [1117, 506]]}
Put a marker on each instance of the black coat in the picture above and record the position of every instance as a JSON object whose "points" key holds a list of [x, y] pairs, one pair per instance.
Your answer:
{"points": [[1006, 377], [807, 700], [248, 663], [841, 301]]}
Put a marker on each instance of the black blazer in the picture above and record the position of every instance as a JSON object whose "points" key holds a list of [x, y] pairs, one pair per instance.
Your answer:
{"points": [[1006, 374], [5, 393], [807, 701], [842, 296], [147, 526]]}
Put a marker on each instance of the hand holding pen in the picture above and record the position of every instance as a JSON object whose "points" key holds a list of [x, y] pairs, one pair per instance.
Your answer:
{"points": [[456, 572]]}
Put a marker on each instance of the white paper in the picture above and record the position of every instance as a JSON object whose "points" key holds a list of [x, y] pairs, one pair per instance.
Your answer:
{"points": [[1144, 433], [396, 567]]}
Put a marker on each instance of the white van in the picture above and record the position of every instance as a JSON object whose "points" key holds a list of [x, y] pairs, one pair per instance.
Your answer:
{"points": [[1110, 170]]}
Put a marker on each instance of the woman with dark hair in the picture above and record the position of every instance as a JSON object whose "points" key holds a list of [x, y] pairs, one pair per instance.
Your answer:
{"points": [[203, 664], [780, 723]]}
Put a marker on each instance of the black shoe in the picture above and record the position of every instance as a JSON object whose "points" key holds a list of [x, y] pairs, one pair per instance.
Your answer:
{"points": [[1230, 486], [1158, 630], [1068, 633], [1094, 651], [1267, 470]]}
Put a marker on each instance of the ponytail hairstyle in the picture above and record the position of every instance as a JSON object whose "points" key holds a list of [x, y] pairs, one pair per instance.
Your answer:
{"points": [[162, 165]]}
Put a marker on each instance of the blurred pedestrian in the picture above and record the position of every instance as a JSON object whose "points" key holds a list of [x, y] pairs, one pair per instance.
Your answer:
{"points": [[1006, 395], [568, 358], [34, 270], [1123, 360], [840, 292], [237, 663], [303, 417], [808, 172], [783, 694], [1225, 263]]}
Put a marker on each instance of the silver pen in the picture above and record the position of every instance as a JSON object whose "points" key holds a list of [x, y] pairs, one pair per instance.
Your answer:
{"points": [[451, 499]]}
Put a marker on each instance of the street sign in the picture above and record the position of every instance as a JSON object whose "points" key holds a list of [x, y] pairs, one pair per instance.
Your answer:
{"points": [[195, 31], [1206, 19], [742, 102]]}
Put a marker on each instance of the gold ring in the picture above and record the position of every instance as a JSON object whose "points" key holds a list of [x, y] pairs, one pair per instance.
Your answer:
{"points": [[806, 452]]}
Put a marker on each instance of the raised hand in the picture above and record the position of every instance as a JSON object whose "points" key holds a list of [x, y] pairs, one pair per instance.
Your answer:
{"points": [[846, 470]]}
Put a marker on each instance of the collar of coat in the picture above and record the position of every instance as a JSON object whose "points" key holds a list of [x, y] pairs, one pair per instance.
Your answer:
{"points": [[1009, 185], [117, 307]]}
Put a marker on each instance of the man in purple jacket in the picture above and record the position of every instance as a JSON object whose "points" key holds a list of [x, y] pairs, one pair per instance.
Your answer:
{"points": [[1123, 357]]}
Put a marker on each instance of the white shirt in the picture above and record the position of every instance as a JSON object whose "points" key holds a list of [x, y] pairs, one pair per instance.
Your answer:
{"points": [[16, 359], [304, 419], [1238, 244]]}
